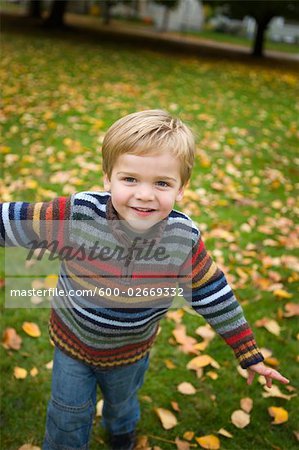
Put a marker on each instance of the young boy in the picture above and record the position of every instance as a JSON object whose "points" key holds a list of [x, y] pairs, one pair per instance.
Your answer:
{"points": [[148, 246]]}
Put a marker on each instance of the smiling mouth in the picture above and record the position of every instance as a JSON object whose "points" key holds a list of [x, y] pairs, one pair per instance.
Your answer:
{"points": [[143, 209]]}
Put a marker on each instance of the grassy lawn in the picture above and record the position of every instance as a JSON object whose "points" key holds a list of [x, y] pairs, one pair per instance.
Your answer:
{"points": [[60, 94]]}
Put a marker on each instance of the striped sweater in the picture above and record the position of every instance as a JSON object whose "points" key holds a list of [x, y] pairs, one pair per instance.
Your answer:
{"points": [[118, 325]]}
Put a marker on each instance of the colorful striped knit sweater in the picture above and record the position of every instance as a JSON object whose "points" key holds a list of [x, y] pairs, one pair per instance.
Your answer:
{"points": [[118, 330]]}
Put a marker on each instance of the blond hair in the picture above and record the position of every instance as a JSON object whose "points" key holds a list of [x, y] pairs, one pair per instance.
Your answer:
{"points": [[152, 131]]}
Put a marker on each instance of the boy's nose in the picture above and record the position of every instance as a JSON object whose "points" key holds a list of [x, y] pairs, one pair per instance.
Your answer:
{"points": [[144, 193]]}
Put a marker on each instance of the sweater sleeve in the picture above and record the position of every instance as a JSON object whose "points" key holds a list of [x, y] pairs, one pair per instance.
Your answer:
{"points": [[22, 224], [213, 298]]}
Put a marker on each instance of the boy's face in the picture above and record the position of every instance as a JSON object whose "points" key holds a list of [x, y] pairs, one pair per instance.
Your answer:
{"points": [[144, 188]]}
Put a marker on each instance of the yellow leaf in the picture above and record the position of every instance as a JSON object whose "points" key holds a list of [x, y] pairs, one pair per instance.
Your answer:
{"points": [[280, 415], [33, 371], [240, 418], [169, 364], [167, 418], [212, 375], [20, 373], [199, 361], [51, 281], [209, 442], [225, 433], [31, 329], [186, 388], [188, 435], [282, 294]]}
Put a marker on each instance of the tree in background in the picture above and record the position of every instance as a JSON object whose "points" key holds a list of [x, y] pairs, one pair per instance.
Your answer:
{"points": [[168, 6], [262, 11]]}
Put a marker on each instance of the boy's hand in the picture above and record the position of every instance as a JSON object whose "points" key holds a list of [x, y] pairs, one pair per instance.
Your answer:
{"points": [[267, 372]]}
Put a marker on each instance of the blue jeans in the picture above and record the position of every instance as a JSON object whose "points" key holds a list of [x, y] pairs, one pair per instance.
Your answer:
{"points": [[72, 405]]}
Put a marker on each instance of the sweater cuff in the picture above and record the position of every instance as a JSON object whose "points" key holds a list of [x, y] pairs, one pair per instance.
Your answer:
{"points": [[248, 357]]}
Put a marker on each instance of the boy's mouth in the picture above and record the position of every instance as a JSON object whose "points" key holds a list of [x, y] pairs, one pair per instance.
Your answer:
{"points": [[143, 210]]}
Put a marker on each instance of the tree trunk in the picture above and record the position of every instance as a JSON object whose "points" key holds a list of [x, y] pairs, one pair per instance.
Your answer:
{"points": [[56, 16], [35, 9], [258, 47], [165, 20], [107, 5]]}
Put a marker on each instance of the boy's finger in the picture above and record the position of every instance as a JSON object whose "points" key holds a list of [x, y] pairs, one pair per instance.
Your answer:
{"points": [[250, 377]]}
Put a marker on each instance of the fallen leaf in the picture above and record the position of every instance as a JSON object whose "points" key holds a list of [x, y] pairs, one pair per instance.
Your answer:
{"points": [[99, 408], [274, 391], [20, 373], [186, 388], [31, 329], [296, 434], [206, 332], [51, 281], [210, 442], [242, 372], [292, 309], [11, 340], [182, 445], [281, 293], [212, 375], [49, 365], [175, 406], [246, 404], [188, 435], [240, 418], [33, 372], [279, 414], [202, 361], [270, 325], [169, 364], [176, 316], [167, 418], [225, 433]]}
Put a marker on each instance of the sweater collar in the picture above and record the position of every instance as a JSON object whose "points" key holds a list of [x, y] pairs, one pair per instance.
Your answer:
{"points": [[125, 235]]}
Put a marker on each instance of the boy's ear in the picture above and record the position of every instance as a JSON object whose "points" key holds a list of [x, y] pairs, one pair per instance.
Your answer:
{"points": [[107, 183], [180, 194]]}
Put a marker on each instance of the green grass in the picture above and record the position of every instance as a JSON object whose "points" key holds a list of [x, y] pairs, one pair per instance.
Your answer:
{"points": [[60, 93]]}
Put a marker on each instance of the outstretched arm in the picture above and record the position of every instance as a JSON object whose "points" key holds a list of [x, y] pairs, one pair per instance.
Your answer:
{"points": [[267, 372]]}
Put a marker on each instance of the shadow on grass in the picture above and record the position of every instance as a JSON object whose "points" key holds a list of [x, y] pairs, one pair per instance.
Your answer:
{"points": [[126, 39]]}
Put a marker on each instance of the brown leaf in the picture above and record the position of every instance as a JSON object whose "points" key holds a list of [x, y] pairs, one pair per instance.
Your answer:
{"points": [[246, 404], [280, 415], [182, 445], [206, 332], [33, 372], [209, 442], [11, 340], [282, 294], [175, 406], [240, 418], [31, 329], [186, 388], [167, 418], [292, 309]]}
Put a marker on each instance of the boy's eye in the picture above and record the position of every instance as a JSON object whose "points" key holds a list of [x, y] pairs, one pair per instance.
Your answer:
{"points": [[130, 179], [162, 184]]}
